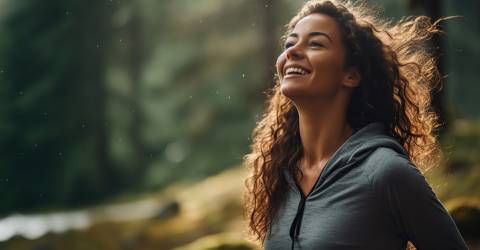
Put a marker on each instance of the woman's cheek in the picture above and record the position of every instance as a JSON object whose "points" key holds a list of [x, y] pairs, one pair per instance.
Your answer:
{"points": [[280, 63]]}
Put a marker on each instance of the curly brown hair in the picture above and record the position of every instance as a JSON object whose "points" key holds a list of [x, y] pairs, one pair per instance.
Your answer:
{"points": [[398, 73]]}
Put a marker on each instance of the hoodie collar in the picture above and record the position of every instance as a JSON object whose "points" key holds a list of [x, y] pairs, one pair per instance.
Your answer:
{"points": [[356, 148]]}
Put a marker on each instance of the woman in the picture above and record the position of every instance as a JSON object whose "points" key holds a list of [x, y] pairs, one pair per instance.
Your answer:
{"points": [[334, 157]]}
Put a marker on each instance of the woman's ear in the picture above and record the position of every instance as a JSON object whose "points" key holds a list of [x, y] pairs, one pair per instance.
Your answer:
{"points": [[352, 77]]}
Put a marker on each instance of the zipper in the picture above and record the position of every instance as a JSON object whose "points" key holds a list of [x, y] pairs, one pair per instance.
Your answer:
{"points": [[297, 221]]}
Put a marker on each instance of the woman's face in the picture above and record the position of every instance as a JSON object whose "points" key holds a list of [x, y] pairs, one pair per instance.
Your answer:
{"points": [[312, 64]]}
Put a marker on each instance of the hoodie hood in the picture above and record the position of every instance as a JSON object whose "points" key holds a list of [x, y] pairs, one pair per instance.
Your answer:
{"points": [[354, 150], [348, 156]]}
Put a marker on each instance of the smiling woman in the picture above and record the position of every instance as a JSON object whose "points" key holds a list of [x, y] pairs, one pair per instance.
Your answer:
{"points": [[317, 39], [334, 158]]}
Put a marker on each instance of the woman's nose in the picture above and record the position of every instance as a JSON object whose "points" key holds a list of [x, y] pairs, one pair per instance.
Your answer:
{"points": [[294, 52]]}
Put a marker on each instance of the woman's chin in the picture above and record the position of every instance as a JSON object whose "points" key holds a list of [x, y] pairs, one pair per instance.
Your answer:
{"points": [[290, 89]]}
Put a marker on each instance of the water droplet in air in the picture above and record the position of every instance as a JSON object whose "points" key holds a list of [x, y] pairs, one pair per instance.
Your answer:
{"points": [[20, 93], [243, 75], [266, 5]]}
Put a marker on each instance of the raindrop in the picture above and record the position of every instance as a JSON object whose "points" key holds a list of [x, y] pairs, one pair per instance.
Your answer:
{"points": [[6, 179], [266, 5], [98, 46], [120, 40], [253, 24], [243, 75], [20, 93], [228, 97], [45, 113], [60, 154], [84, 125], [35, 145], [67, 13], [217, 92], [1, 71], [190, 97], [201, 21]]}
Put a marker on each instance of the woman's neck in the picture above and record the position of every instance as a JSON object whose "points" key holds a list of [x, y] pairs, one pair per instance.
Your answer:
{"points": [[322, 132]]}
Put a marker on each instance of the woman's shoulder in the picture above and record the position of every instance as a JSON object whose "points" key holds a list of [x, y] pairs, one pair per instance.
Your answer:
{"points": [[385, 166]]}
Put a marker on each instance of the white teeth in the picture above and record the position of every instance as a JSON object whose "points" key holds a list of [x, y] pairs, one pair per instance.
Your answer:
{"points": [[296, 70]]}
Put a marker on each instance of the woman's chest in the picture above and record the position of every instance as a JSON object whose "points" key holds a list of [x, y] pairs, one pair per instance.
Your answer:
{"points": [[342, 217]]}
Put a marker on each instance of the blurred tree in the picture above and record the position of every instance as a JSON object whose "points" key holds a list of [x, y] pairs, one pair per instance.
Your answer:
{"points": [[52, 54], [270, 42], [136, 51]]}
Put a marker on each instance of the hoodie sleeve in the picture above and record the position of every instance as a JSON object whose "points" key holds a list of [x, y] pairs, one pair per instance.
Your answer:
{"points": [[413, 207]]}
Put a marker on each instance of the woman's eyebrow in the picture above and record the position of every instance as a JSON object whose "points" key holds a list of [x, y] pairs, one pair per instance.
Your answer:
{"points": [[313, 33]]}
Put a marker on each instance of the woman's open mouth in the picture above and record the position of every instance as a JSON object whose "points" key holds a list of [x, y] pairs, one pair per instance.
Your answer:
{"points": [[294, 71]]}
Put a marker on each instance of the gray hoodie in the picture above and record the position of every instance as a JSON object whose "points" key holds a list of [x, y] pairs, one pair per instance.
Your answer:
{"points": [[368, 196]]}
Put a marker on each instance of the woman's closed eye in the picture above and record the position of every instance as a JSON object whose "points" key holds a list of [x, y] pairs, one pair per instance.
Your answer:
{"points": [[312, 44], [316, 44]]}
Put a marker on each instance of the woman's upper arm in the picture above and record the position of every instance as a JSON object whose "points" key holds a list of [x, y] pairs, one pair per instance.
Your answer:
{"points": [[413, 206]]}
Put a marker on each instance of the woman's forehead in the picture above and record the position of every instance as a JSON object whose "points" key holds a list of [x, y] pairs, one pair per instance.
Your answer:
{"points": [[317, 23]]}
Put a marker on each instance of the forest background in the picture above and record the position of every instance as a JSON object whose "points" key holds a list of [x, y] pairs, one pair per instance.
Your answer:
{"points": [[114, 113]]}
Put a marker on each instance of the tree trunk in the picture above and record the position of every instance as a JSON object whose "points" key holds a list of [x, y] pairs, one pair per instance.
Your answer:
{"points": [[136, 49]]}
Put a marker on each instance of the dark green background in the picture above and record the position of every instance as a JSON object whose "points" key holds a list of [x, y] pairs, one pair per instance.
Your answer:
{"points": [[101, 98]]}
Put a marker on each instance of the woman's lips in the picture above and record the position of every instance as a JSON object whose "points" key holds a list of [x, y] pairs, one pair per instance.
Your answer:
{"points": [[293, 76]]}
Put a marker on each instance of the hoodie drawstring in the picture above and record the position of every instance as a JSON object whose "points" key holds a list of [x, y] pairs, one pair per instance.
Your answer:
{"points": [[297, 221]]}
